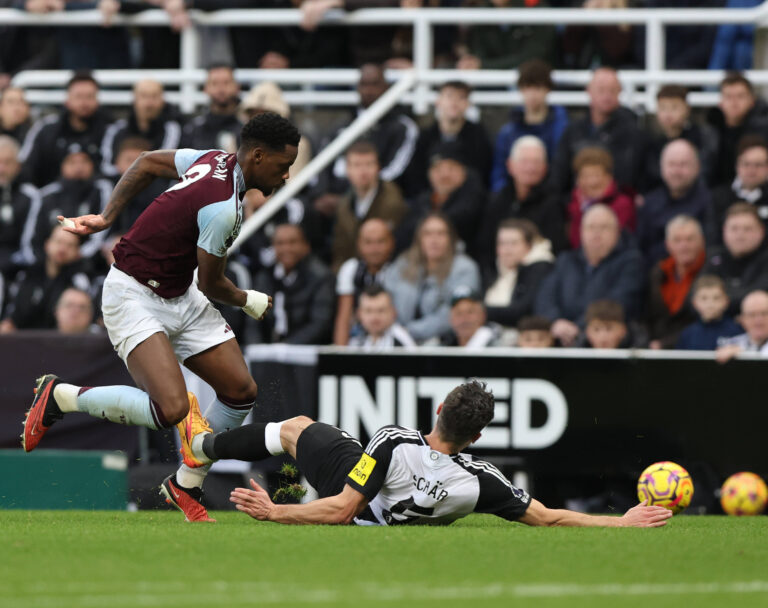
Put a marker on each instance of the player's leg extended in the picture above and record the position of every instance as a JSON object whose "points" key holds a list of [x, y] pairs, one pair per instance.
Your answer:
{"points": [[223, 367], [161, 404]]}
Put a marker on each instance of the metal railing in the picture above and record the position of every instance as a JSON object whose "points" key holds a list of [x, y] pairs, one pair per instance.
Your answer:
{"points": [[640, 86]]}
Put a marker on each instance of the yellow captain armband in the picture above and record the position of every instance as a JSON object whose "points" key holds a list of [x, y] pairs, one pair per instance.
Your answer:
{"points": [[361, 472]]}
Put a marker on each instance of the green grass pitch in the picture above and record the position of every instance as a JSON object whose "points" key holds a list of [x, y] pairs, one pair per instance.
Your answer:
{"points": [[115, 559]]}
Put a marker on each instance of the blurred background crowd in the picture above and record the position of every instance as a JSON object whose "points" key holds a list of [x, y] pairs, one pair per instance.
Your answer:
{"points": [[598, 227]]}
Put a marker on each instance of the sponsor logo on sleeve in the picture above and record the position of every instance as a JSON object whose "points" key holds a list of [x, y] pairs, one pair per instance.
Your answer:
{"points": [[363, 469]]}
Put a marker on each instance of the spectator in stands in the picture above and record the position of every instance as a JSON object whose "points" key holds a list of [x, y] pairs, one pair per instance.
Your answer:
{"points": [[423, 278], [732, 49], [606, 325], [669, 302], [673, 118], [452, 125], [749, 186], [523, 259], [74, 312], [536, 118], [34, 294], [593, 167], [27, 48], [375, 246], [80, 125], [711, 303], [683, 192], [688, 47], [455, 190], [378, 320], [130, 149], [219, 127], [584, 46], [17, 201], [603, 268], [470, 328], [754, 319], [739, 113], [77, 192], [742, 262], [535, 332], [608, 124], [504, 47], [14, 113], [525, 196], [150, 118], [369, 197], [302, 292], [394, 135], [268, 97]]}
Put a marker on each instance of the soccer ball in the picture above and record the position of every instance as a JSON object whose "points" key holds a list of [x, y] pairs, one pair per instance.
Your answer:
{"points": [[744, 494], [666, 484]]}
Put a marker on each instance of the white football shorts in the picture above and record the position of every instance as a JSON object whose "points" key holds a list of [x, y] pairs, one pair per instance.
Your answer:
{"points": [[133, 312]]}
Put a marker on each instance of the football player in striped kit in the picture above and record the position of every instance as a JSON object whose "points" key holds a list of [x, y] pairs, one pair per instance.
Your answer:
{"points": [[402, 476]]}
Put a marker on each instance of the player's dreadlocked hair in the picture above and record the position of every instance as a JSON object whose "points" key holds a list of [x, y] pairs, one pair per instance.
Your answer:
{"points": [[467, 410], [270, 130]]}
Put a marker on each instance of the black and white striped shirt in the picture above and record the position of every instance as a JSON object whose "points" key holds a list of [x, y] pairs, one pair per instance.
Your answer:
{"points": [[406, 481]]}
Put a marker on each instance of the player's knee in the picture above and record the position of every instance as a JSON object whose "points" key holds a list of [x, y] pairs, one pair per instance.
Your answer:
{"points": [[175, 410], [301, 422], [242, 394]]}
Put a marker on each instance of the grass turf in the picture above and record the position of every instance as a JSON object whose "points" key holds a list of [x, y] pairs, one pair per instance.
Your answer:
{"points": [[114, 559]]}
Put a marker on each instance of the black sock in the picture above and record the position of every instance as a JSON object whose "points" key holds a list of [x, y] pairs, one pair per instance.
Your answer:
{"points": [[243, 443]]}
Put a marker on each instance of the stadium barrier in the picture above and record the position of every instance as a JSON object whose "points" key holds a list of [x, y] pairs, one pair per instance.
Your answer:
{"points": [[577, 421], [640, 86]]}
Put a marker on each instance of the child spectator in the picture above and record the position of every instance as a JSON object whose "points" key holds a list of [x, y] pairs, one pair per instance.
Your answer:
{"points": [[469, 327], [535, 332], [378, 319], [593, 168], [710, 301], [606, 325], [74, 312], [754, 318], [535, 118]]}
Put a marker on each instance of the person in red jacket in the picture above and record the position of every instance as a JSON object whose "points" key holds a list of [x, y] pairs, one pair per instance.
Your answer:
{"points": [[593, 168]]}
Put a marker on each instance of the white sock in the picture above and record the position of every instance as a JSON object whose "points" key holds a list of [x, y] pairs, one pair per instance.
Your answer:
{"points": [[66, 397], [272, 438], [197, 448], [191, 478]]}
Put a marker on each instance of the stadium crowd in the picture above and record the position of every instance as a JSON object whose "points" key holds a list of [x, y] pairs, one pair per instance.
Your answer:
{"points": [[604, 229]]}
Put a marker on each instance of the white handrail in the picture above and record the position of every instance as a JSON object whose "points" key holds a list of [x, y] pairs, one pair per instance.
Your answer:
{"points": [[326, 156]]}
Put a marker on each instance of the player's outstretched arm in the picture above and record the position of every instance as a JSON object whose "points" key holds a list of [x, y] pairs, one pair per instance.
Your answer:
{"points": [[149, 165], [339, 509], [216, 286], [639, 516]]}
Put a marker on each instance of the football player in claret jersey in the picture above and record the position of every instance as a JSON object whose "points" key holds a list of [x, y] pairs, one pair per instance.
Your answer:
{"points": [[156, 315], [402, 477]]}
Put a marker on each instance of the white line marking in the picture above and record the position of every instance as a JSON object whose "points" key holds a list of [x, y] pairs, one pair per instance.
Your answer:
{"points": [[218, 593]]}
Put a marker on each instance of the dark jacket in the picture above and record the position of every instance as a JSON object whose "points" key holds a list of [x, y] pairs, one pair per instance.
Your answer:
{"points": [[620, 135], [34, 294], [307, 296], [388, 205], [503, 47], [17, 202], [550, 132], [704, 336], [723, 197], [70, 198], [574, 284], [659, 207], [741, 275], [542, 207], [211, 132], [755, 122], [395, 136], [464, 207], [51, 138], [473, 141], [529, 279], [164, 133]]}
